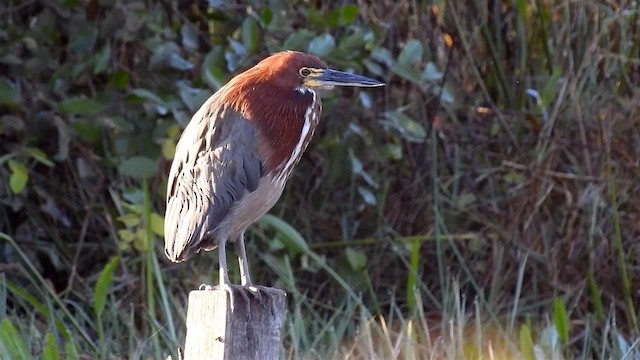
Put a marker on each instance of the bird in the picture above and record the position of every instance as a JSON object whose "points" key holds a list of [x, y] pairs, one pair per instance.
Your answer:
{"points": [[234, 157]]}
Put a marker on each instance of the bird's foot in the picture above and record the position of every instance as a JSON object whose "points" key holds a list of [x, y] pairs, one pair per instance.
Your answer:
{"points": [[254, 290]]}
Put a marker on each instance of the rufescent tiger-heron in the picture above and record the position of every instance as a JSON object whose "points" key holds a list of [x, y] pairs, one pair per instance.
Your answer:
{"points": [[236, 154]]}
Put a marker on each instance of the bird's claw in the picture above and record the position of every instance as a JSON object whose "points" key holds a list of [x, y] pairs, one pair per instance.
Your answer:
{"points": [[255, 290], [262, 289]]}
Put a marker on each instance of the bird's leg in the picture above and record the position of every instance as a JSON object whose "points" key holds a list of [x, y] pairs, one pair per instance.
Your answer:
{"points": [[222, 263], [245, 276], [225, 284]]}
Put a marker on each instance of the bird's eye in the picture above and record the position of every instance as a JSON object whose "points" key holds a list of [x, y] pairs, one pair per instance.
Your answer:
{"points": [[304, 72]]}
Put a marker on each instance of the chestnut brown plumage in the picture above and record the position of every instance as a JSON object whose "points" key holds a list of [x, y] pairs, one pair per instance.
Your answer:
{"points": [[235, 156]]}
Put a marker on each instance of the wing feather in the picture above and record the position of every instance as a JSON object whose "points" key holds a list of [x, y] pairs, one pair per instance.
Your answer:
{"points": [[216, 164]]}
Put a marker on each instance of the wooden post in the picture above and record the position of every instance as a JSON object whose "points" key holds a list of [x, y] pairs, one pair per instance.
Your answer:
{"points": [[245, 331]]}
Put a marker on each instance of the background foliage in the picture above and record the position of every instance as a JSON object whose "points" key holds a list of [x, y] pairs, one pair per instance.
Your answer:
{"points": [[494, 178]]}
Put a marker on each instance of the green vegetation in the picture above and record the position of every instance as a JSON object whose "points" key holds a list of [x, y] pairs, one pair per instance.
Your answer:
{"points": [[482, 205]]}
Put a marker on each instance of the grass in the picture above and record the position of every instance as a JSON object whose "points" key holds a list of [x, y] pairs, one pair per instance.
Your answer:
{"points": [[484, 211]]}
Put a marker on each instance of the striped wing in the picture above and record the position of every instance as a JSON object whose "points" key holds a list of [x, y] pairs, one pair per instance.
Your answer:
{"points": [[215, 165]]}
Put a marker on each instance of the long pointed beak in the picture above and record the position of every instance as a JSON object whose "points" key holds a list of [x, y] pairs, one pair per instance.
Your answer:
{"points": [[330, 77]]}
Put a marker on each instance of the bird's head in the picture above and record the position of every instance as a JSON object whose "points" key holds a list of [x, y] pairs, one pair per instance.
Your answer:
{"points": [[299, 71], [279, 94]]}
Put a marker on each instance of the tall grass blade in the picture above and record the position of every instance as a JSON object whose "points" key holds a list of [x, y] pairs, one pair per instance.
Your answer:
{"points": [[13, 342], [50, 351]]}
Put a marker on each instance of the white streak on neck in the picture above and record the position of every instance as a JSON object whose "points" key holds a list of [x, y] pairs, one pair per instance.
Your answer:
{"points": [[309, 120]]}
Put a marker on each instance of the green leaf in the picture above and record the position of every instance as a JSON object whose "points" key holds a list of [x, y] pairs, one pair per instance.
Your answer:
{"points": [[298, 40], [526, 343], [147, 95], [87, 130], [19, 176], [190, 96], [431, 72], [513, 177], [120, 79], [411, 54], [322, 45], [39, 155], [50, 351], [71, 349], [561, 320], [406, 127], [9, 94], [80, 106], [357, 259], [102, 59], [126, 236], [102, 286], [351, 46], [139, 167], [291, 238], [157, 224], [391, 151], [13, 341], [213, 68], [348, 14], [408, 73], [250, 34], [266, 16]]}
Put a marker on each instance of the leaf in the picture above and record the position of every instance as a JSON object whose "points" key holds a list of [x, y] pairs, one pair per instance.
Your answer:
{"points": [[86, 130], [526, 343], [382, 55], [168, 55], [157, 224], [348, 14], [39, 155], [408, 128], [9, 93], [168, 148], [213, 68], [368, 197], [291, 238], [102, 59], [147, 95], [266, 16], [514, 178], [250, 34], [139, 167], [298, 40], [13, 341], [80, 106], [391, 151], [189, 36], [102, 286], [431, 72], [561, 320], [357, 259], [322, 45], [176, 61], [50, 351], [19, 176], [350, 46], [192, 97], [408, 73], [126, 236], [120, 79], [411, 54], [71, 349], [465, 200]]}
